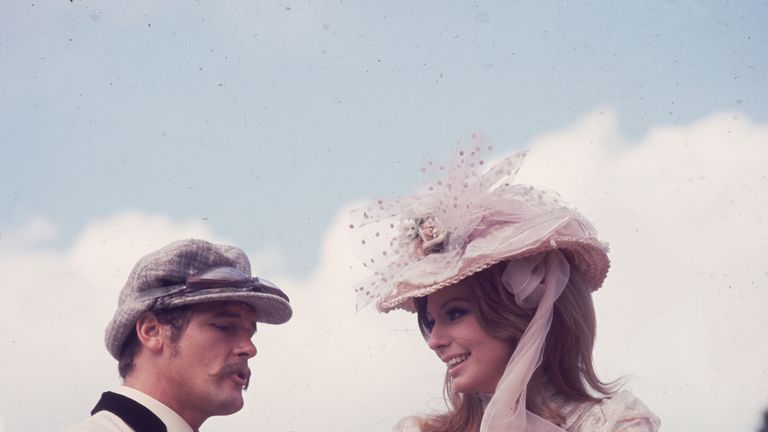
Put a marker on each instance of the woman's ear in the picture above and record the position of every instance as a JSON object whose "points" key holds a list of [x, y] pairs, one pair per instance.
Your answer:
{"points": [[150, 332]]}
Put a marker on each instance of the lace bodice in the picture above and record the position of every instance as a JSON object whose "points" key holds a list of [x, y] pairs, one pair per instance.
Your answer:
{"points": [[621, 413]]}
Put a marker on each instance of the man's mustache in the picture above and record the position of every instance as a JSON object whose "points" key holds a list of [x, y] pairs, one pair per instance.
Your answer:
{"points": [[237, 368]]}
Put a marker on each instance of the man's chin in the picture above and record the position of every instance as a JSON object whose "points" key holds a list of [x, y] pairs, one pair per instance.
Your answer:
{"points": [[230, 406]]}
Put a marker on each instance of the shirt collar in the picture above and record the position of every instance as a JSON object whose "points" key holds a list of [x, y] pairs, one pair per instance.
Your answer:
{"points": [[172, 420]]}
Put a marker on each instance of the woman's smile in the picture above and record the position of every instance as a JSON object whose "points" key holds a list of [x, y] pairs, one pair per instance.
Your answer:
{"points": [[475, 360]]}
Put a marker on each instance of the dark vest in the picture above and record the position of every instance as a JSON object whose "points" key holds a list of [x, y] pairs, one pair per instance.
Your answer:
{"points": [[134, 414]]}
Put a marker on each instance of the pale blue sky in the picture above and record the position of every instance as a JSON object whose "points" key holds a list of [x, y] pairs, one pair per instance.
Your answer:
{"points": [[265, 117], [124, 125]]}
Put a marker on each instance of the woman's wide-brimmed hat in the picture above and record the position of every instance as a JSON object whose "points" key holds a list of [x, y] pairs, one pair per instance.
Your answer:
{"points": [[471, 218]]}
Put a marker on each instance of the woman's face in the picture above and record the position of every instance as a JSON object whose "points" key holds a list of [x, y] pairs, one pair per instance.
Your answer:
{"points": [[475, 360]]}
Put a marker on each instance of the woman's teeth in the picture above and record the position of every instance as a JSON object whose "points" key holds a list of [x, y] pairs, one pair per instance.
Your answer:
{"points": [[456, 361]]}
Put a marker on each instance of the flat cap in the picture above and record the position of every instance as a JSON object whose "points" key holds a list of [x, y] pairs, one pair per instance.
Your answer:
{"points": [[188, 272]]}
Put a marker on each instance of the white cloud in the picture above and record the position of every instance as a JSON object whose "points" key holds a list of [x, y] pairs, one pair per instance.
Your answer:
{"points": [[104, 253], [684, 210], [57, 304], [331, 368], [35, 231], [55, 307], [682, 309]]}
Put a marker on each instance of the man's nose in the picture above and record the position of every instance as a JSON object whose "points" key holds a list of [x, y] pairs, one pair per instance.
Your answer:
{"points": [[246, 349]]}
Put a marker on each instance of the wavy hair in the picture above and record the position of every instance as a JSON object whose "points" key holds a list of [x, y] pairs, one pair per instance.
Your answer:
{"points": [[566, 368]]}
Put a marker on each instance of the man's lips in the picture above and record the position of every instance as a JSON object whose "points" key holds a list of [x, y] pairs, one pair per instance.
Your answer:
{"points": [[241, 380], [239, 372]]}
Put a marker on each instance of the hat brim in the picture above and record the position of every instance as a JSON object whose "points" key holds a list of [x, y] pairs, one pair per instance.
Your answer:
{"points": [[270, 309], [561, 230]]}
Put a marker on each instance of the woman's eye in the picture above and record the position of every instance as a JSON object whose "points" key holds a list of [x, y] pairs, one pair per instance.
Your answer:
{"points": [[456, 313]]}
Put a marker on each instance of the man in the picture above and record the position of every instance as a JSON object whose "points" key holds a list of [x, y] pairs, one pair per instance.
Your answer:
{"points": [[182, 338]]}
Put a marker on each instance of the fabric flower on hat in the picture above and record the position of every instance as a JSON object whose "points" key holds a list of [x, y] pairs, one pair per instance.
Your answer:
{"points": [[432, 234], [473, 216], [426, 234]]}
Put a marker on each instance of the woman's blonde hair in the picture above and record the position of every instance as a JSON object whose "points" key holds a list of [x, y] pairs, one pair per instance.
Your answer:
{"points": [[566, 367]]}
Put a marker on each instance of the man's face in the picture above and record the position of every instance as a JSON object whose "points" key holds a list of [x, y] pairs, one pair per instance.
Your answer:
{"points": [[207, 367]]}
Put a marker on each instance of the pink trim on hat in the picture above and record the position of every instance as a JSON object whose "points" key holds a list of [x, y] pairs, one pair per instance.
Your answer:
{"points": [[479, 217]]}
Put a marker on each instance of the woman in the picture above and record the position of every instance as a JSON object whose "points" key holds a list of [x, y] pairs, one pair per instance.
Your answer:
{"points": [[500, 277]]}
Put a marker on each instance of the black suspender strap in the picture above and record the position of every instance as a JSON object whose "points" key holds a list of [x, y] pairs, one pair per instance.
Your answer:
{"points": [[134, 414]]}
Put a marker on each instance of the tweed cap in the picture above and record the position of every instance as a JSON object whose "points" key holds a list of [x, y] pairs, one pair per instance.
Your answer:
{"points": [[163, 279]]}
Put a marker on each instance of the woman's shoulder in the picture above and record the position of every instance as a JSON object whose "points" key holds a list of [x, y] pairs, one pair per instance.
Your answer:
{"points": [[623, 412]]}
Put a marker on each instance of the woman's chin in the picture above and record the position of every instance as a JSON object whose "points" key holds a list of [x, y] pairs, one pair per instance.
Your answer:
{"points": [[462, 386], [465, 385]]}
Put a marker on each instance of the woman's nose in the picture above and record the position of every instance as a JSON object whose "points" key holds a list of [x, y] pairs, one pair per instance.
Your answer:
{"points": [[437, 338]]}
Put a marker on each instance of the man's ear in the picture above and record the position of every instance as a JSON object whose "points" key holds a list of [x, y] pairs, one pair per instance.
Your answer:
{"points": [[150, 332]]}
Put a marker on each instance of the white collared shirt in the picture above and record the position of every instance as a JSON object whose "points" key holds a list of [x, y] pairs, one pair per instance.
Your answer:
{"points": [[105, 421]]}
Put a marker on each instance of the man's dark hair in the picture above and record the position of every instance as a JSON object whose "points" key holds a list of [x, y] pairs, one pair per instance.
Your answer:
{"points": [[177, 319]]}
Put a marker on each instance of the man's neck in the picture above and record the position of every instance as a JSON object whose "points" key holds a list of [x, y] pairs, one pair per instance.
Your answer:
{"points": [[155, 388]]}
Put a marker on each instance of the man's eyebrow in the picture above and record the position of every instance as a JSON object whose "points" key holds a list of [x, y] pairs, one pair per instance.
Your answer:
{"points": [[226, 314], [233, 315]]}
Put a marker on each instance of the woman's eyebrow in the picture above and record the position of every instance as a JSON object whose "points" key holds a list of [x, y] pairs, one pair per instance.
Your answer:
{"points": [[450, 302]]}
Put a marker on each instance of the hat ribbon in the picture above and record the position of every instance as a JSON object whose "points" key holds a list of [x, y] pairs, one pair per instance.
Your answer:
{"points": [[537, 280]]}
